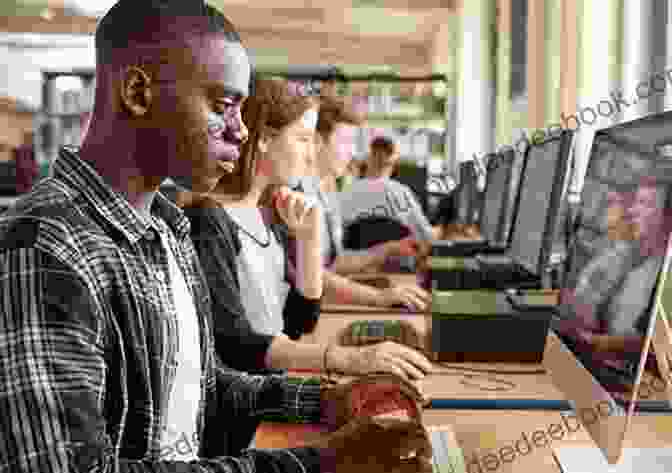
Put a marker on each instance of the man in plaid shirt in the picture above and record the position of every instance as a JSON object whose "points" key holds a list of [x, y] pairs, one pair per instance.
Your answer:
{"points": [[106, 349]]}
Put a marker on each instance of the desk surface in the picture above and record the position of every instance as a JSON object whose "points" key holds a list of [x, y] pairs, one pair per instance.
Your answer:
{"points": [[480, 433]]}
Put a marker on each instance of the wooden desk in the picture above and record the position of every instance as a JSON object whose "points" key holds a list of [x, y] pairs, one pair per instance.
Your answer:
{"points": [[490, 432]]}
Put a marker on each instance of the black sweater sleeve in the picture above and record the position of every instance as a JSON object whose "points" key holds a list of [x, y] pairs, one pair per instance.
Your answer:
{"points": [[300, 313], [237, 344]]}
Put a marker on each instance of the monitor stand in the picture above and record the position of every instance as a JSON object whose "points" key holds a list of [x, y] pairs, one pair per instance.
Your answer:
{"points": [[662, 346]]}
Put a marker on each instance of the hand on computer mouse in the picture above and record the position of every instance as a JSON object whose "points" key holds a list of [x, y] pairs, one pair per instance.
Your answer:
{"points": [[389, 357], [369, 445], [369, 396]]}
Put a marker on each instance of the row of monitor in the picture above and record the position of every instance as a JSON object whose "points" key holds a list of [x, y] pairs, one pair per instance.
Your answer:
{"points": [[616, 253], [522, 205]]}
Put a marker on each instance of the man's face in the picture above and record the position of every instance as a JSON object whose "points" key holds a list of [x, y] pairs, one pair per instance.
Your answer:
{"points": [[340, 148], [200, 117]]}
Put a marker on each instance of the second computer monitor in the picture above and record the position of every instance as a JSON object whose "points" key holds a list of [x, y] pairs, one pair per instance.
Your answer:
{"points": [[496, 199], [541, 188]]}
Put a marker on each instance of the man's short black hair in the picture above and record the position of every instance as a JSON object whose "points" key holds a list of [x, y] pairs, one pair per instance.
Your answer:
{"points": [[151, 21], [144, 21]]}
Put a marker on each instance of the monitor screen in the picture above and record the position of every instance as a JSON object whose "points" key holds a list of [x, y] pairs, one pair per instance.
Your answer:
{"points": [[466, 192], [508, 217], [616, 257], [496, 194], [542, 176]]}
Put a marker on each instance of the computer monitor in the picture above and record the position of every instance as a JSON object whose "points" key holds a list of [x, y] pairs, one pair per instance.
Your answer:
{"points": [[466, 193], [509, 214], [496, 197], [541, 191], [618, 257], [650, 131]]}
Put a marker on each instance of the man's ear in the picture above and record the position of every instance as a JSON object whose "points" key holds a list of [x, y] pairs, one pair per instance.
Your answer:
{"points": [[136, 91]]}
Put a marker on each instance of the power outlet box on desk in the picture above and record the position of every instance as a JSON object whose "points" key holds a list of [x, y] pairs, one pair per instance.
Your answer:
{"points": [[481, 326], [451, 274]]}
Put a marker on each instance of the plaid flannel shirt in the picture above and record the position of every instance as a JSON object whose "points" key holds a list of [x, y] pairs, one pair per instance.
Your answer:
{"points": [[88, 336]]}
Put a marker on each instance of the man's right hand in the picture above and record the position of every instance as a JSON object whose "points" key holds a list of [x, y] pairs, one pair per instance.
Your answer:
{"points": [[370, 445]]}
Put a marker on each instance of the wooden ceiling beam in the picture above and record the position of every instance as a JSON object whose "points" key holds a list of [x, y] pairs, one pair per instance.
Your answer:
{"points": [[305, 47], [59, 24]]}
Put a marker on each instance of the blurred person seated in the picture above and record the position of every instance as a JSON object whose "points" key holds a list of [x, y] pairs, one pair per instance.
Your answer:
{"points": [[336, 126], [451, 228], [377, 194]]}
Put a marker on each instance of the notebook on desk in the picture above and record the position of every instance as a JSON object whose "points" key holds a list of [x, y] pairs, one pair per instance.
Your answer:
{"points": [[447, 455], [588, 459]]}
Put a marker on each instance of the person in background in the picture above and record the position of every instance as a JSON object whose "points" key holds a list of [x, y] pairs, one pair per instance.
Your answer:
{"points": [[258, 313], [336, 126], [448, 221], [377, 195], [27, 170], [107, 352]]}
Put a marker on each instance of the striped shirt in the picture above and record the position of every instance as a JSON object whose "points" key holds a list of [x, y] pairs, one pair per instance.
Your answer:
{"points": [[384, 197], [88, 341]]}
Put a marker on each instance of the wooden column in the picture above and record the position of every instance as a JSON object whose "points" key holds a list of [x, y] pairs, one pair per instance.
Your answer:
{"points": [[535, 63]]}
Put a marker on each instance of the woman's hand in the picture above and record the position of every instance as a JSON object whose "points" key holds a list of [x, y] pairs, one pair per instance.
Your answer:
{"points": [[299, 212], [405, 247], [405, 362], [411, 296]]}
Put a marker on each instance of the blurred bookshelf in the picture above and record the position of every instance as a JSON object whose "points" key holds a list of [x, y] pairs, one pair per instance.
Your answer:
{"points": [[67, 102]]}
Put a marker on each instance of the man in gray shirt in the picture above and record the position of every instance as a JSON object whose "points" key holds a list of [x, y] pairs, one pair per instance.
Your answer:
{"points": [[378, 195]]}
